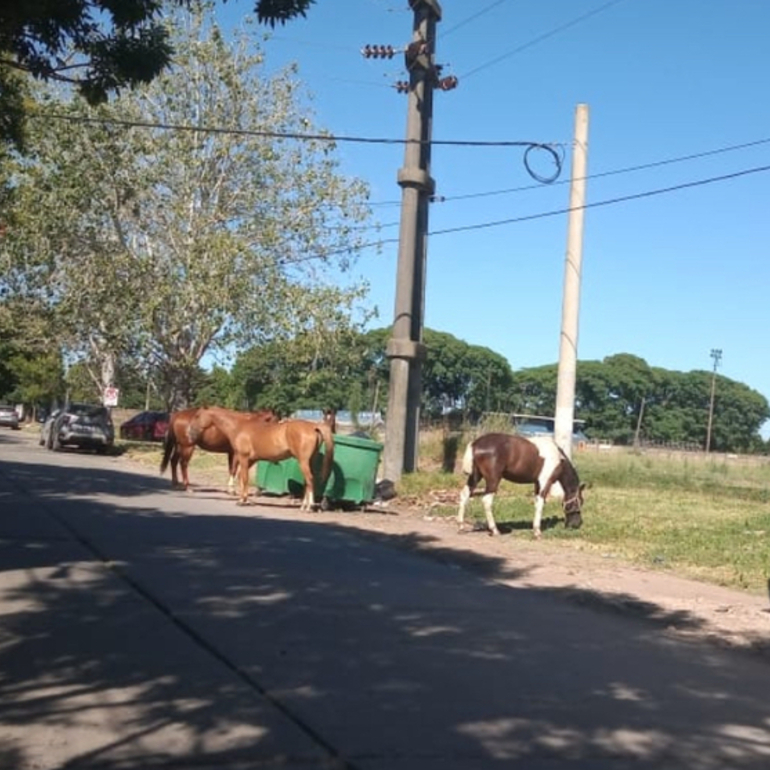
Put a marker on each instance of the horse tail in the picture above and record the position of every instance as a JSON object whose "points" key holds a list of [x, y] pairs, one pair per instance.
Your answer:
{"points": [[325, 432], [169, 444], [467, 466]]}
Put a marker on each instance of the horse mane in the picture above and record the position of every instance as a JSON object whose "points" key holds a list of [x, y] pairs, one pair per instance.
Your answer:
{"points": [[570, 472]]}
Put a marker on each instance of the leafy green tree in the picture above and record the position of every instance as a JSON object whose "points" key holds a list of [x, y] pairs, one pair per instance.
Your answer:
{"points": [[455, 375], [168, 245], [38, 379], [215, 389], [99, 46], [31, 371], [533, 390], [307, 372], [612, 392], [622, 393], [458, 376]]}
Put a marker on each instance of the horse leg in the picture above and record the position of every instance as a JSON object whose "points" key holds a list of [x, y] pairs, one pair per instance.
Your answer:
{"points": [[541, 494], [539, 503], [174, 464], [465, 496], [488, 499], [243, 473], [232, 471], [308, 499], [184, 461]]}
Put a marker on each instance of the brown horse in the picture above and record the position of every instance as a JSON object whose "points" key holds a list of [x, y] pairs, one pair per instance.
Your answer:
{"points": [[537, 460], [178, 449], [252, 441]]}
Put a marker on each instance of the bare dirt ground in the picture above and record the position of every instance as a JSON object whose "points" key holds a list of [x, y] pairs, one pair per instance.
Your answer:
{"points": [[683, 608]]}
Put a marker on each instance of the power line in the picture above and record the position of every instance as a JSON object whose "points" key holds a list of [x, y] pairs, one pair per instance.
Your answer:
{"points": [[544, 36], [610, 201], [549, 147], [557, 212], [471, 18], [598, 175]]}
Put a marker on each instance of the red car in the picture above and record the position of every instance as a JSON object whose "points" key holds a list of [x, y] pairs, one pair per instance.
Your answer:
{"points": [[145, 426]]}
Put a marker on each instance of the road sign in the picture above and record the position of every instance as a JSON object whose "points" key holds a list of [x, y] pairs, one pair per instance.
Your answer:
{"points": [[111, 396]]}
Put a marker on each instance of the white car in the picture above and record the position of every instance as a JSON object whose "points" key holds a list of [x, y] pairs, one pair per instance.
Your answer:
{"points": [[9, 417]]}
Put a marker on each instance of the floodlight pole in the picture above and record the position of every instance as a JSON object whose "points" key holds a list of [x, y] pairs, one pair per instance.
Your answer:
{"points": [[405, 349], [716, 354], [564, 416]]}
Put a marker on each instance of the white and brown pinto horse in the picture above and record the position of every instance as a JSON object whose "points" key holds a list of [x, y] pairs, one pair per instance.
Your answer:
{"points": [[539, 461]]}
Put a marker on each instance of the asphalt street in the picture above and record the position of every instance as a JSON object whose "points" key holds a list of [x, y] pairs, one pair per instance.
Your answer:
{"points": [[142, 627]]}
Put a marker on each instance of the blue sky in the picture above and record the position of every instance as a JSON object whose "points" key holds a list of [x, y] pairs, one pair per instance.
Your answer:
{"points": [[665, 277]]}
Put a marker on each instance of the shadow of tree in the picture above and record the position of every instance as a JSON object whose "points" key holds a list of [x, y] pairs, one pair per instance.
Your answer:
{"points": [[144, 628]]}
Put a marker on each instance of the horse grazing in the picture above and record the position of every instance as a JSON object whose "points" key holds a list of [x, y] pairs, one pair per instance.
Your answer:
{"points": [[272, 441], [538, 460], [178, 448]]}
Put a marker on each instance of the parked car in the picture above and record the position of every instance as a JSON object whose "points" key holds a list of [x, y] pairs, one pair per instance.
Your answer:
{"points": [[9, 417], [145, 426], [85, 426], [46, 422]]}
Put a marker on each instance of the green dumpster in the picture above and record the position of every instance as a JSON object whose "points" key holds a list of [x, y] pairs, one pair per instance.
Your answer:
{"points": [[352, 478]]}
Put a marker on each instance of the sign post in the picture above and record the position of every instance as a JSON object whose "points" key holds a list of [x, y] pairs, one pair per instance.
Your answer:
{"points": [[110, 396]]}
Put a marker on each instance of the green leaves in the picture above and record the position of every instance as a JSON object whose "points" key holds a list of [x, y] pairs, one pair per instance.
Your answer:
{"points": [[612, 395], [171, 226]]}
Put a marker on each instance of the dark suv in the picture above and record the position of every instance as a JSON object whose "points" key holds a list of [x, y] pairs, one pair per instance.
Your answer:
{"points": [[86, 426]]}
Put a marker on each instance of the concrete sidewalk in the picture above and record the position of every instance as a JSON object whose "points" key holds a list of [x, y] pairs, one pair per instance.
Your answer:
{"points": [[143, 628]]}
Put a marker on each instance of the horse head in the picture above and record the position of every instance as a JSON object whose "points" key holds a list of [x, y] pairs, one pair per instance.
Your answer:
{"points": [[198, 424], [572, 506]]}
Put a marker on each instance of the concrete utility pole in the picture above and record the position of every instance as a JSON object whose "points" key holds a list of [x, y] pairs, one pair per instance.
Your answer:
{"points": [[716, 354], [405, 347], [565, 387]]}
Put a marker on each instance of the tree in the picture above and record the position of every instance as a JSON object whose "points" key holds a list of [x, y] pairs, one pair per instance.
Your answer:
{"points": [[100, 46], [467, 378], [456, 375], [171, 245], [31, 371], [272, 11], [609, 395], [303, 373]]}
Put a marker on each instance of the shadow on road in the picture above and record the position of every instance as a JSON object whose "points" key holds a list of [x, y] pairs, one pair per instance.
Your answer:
{"points": [[368, 653]]}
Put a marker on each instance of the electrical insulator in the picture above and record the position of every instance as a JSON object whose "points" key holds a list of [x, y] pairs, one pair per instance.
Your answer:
{"points": [[378, 51], [402, 86], [447, 83]]}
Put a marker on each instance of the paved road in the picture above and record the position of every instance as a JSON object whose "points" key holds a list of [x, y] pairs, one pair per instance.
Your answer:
{"points": [[144, 628]]}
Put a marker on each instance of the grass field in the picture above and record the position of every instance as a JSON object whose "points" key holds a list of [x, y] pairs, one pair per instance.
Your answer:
{"points": [[706, 517]]}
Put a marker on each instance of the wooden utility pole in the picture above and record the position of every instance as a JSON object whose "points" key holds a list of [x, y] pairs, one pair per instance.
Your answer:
{"points": [[565, 387], [405, 347]]}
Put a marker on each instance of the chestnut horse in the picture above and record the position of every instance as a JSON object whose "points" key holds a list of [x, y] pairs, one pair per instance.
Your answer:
{"points": [[537, 460], [178, 449], [272, 441]]}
